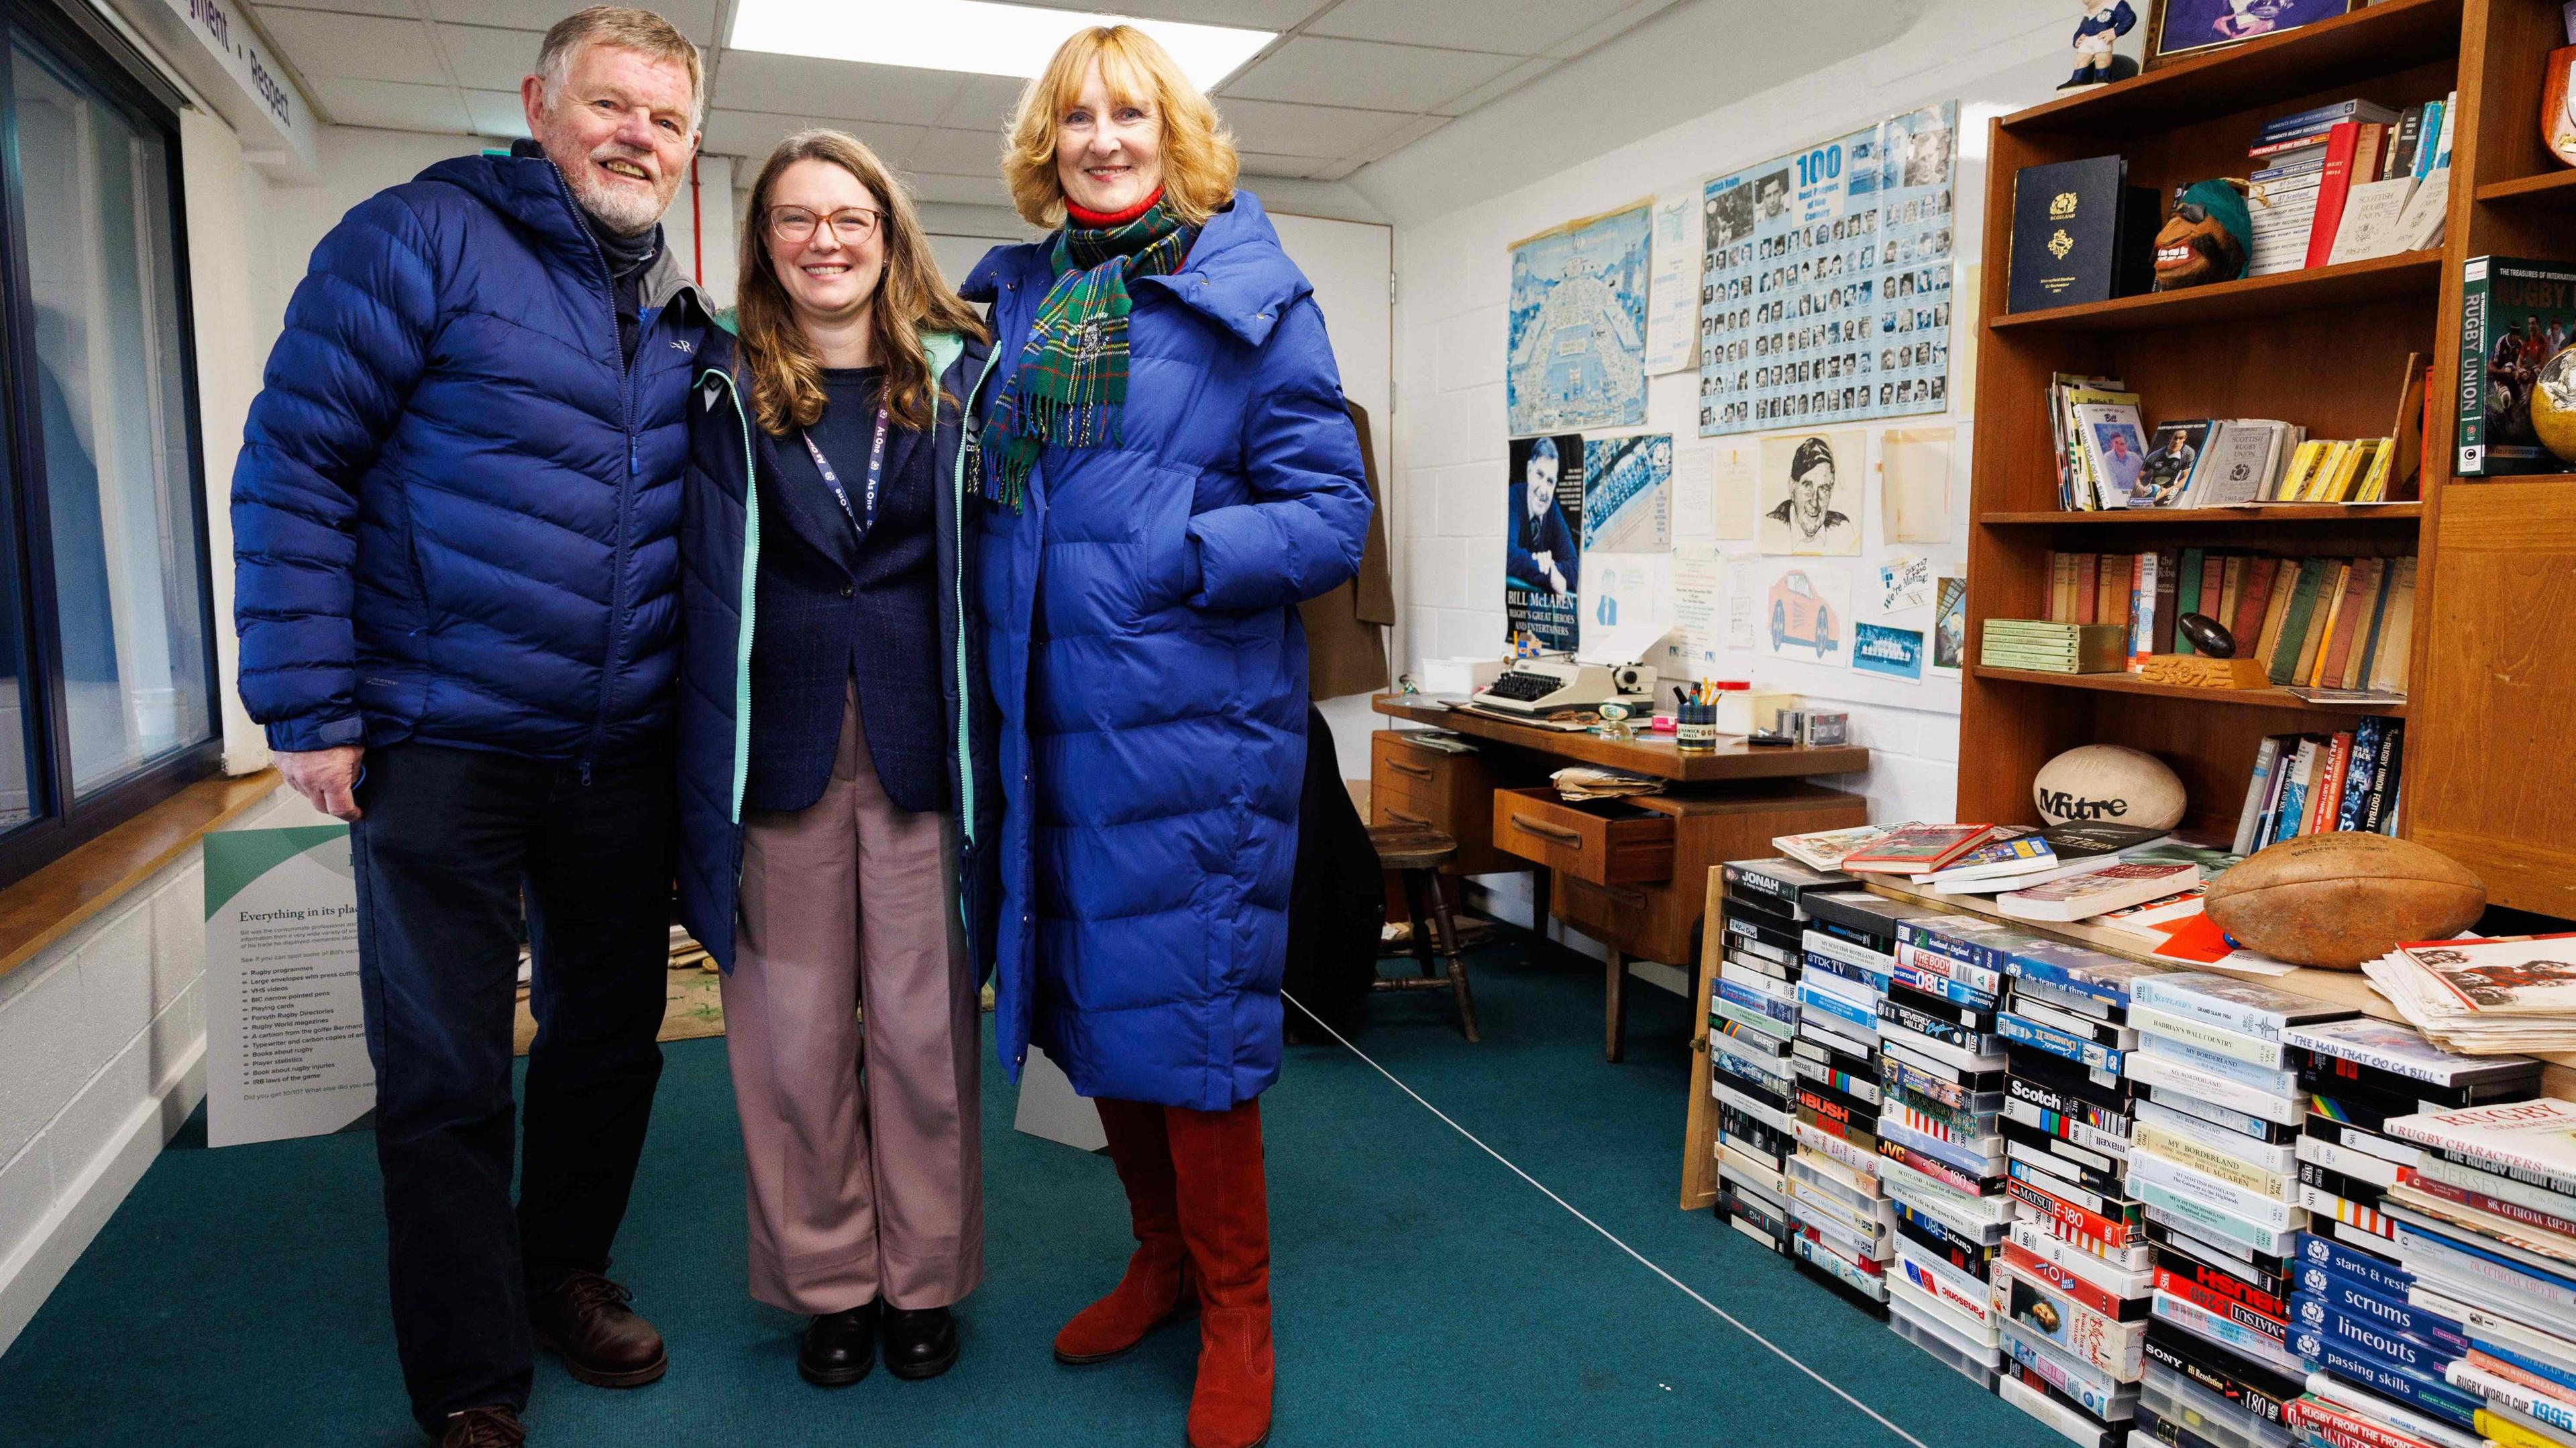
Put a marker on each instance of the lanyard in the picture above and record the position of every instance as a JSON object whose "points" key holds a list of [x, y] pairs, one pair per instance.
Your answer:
{"points": [[876, 474]]}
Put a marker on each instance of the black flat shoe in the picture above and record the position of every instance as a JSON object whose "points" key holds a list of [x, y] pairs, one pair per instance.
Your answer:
{"points": [[839, 1347], [920, 1344]]}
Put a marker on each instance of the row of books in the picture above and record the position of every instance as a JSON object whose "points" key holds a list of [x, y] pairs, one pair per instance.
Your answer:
{"points": [[2343, 624], [2307, 784], [2347, 182], [2354, 471]]}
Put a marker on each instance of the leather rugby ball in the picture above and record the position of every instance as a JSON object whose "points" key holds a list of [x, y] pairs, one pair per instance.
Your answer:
{"points": [[2108, 784], [2338, 899]]}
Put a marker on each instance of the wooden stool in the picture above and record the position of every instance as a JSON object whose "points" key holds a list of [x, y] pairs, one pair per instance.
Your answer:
{"points": [[1417, 853]]}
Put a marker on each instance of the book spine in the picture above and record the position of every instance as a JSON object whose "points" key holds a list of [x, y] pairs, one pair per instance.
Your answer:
{"points": [[2265, 754], [2356, 788], [2167, 599], [2471, 415], [2142, 609], [2558, 1412], [2379, 813], [2331, 191]]}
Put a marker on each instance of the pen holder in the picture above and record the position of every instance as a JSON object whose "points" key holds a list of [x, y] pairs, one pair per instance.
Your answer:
{"points": [[1695, 728]]}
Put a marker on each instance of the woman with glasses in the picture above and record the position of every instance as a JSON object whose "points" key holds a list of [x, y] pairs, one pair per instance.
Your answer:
{"points": [[835, 802]]}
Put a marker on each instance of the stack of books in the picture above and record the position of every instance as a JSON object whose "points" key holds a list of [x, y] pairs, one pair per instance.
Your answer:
{"points": [[2339, 471], [1753, 1024], [2020, 859], [2214, 1158], [1827, 849], [2348, 181], [2306, 784], [2485, 996], [1941, 1149], [2484, 1237], [2054, 647], [2216, 462], [2075, 1269], [1846, 1225], [2359, 1074], [2344, 624]]}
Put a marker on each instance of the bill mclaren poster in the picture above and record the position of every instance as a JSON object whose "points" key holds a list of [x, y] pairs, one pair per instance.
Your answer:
{"points": [[1542, 533], [1825, 280]]}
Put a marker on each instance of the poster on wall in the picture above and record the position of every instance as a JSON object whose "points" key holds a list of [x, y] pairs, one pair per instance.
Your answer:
{"points": [[1888, 651], [1691, 650], [1672, 301], [1806, 506], [1577, 339], [1628, 494], [1805, 613], [1627, 606], [1825, 280], [1542, 557], [1949, 627], [1914, 476], [286, 1031]]}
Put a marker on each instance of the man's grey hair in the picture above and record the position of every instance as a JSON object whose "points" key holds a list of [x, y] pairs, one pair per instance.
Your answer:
{"points": [[631, 29]]}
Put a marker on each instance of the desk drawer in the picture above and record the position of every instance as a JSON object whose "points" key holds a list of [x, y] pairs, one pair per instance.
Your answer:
{"points": [[1451, 793], [1608, 842]]}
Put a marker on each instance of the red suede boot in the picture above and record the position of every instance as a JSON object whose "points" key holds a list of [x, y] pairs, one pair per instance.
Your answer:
{"points": [[1225, 1219], [1159, 1286]]}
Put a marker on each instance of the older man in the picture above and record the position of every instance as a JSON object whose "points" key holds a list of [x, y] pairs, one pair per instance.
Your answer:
{"points": [[455, 523]]}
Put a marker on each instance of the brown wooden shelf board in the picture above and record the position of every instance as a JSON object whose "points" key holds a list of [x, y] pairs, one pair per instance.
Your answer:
{"points": [[2411, 273], [2554, 188], [2126, 683], [2258, 513], [2392, 36]]}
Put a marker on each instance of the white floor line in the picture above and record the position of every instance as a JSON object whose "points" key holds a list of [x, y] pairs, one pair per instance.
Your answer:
{"points": [[1643, 1260]]}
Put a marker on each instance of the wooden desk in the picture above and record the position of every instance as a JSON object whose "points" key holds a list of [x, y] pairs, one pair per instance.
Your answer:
{"points": [[1728, 804]]}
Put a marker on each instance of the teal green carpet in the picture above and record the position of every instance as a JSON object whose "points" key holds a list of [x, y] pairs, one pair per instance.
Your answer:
{"points": [[1426, 1296]]}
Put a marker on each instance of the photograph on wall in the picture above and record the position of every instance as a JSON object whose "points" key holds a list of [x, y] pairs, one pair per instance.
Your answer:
{"points": [[1806, 507], [1805, 613], [2180, 27], [1914, 482], [1949, 626], [1542, 554], [1628, 494], [1577, 338], [1825, 280], [1888, 651], [1904, 583]]}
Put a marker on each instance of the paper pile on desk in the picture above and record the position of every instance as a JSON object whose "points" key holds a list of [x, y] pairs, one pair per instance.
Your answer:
{"points": [[1584, 782], [2485, 997]]}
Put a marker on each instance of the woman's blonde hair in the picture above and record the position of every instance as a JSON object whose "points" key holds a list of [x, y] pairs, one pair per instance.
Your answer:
{"points": [[1199, 163], [911, 297]]}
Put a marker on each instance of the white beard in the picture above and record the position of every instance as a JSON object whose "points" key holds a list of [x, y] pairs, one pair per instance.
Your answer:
{"points": [[623, 212]]}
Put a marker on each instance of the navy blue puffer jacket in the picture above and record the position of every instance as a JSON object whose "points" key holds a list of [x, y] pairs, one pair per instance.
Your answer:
{"points": [[1150, 674], [455, 516]]}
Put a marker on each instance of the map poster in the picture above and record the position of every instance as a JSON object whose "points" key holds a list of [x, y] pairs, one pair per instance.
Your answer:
{"points": [[1825, 280], [1628, 494], [1577, 345], [286, 1032], [1542, 532]]}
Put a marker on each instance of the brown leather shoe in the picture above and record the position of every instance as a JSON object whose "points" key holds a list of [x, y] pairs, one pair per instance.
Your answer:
{"points": [[484, 1428], [586, 1321]]}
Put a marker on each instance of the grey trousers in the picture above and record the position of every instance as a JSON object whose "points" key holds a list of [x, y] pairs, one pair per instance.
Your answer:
{"points": [[862, 1143]]}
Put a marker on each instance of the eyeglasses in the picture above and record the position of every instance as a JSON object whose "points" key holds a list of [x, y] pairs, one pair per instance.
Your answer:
{"points": [[795, 224]]}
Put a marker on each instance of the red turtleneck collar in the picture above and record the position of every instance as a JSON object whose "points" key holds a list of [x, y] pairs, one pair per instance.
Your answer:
{"points": [[1103, 220]]}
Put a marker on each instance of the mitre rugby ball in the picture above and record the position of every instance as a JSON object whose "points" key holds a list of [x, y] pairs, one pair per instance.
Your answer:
{"points": [[2340, 898], [2106, 783]]}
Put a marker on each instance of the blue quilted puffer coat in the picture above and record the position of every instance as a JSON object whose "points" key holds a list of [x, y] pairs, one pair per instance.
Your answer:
{"points": [[720, 613], [1150, 674], [456, 512]]}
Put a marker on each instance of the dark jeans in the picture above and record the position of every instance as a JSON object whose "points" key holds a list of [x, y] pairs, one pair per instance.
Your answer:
{"points": [[449, 839]]}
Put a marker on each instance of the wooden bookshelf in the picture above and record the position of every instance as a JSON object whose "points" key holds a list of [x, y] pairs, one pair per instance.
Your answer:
{"points": [[2493, 675]]}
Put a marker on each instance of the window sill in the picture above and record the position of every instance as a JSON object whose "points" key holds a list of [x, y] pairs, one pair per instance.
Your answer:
{"points": [[49, 904]]}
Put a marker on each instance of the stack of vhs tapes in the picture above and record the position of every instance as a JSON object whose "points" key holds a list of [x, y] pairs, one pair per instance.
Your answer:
{"points": [[1752, 1030], [2075, 1279], [2358, 1073], [1941, 1156], [2213, 1157], [2376, 1358]]}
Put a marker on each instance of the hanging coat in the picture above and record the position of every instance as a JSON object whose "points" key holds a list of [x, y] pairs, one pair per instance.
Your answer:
{"points": [[1149, 673]]}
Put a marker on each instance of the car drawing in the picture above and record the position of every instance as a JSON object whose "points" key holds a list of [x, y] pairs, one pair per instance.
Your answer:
{"points": [[1798, 616]]}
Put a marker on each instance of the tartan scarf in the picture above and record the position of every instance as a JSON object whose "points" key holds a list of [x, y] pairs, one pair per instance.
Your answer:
{"points": [[1070, 387]]}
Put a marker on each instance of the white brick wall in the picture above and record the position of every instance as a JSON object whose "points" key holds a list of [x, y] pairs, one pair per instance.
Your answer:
{"points": [[1454, 283]]}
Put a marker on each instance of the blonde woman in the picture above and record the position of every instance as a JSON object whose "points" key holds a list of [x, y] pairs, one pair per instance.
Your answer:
{"points": [[832, 798], [1167, 468]]}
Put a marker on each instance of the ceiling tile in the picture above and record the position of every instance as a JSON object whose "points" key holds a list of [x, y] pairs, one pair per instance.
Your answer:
{"points": [[696, 18], [496, 113], [793, 84], [1256, 165], [1250, 14], [1272, 128], [390, 105], [960, 190], [984, 100], [488, 59], [754, 134], [1396, 140], [322, 43], [958, 153], [1467, 24], [1500, 86], [1361, 73], [398, 9]]}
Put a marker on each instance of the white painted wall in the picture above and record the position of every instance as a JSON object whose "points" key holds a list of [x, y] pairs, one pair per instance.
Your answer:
{"points": [[1454, 285]]}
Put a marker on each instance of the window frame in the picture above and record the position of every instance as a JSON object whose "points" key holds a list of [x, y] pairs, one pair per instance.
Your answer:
{"points": [[103, 60]]}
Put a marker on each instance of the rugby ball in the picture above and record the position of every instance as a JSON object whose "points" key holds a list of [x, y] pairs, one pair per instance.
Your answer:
{"points": [[2108, 784], [2338, 899]]}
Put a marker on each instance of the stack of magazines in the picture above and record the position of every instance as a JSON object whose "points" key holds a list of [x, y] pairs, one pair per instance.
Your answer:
{"points": [[2485, 997]]}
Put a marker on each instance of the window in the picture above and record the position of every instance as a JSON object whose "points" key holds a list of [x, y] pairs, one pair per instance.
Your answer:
{"points": [[106, 650]]}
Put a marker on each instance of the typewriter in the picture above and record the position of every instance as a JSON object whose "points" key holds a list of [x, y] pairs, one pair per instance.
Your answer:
{"points": [[1540, 687]]}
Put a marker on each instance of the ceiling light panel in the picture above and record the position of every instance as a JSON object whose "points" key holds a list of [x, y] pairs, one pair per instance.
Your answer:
{"points": [[978, 37]]}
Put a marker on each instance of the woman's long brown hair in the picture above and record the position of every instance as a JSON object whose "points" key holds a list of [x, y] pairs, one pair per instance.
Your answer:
{"points": [[911, 298]]}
